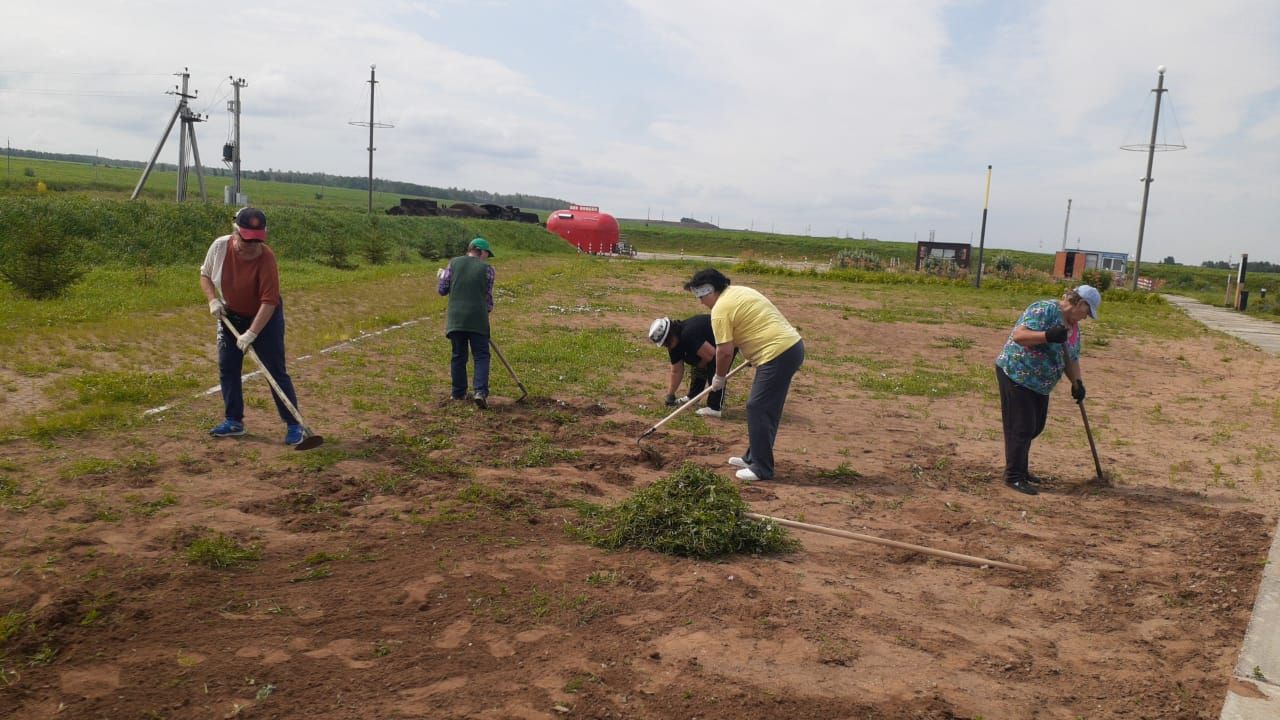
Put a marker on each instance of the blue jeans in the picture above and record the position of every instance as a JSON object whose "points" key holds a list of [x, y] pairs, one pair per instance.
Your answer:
{"points": [[269, 346], [479, 346]]}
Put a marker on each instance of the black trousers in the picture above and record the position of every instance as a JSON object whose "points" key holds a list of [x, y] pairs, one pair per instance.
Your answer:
{"points": [[699, 378], [764, 407], [1024, 412]]}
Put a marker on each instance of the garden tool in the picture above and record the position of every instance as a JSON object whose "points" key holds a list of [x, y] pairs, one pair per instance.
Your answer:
{"points": [[523, 393], [309, 439], [653, 455]]}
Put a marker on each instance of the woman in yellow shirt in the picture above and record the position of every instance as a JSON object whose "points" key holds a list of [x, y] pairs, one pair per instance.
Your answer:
{"points": [[744, 320]]}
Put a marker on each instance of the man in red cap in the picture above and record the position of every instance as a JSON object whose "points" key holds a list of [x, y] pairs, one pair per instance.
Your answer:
{"points": [[242, 283]]}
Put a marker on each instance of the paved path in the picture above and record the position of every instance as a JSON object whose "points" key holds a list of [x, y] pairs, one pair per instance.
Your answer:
{"points": [[1254, 690], [1263, 333]]}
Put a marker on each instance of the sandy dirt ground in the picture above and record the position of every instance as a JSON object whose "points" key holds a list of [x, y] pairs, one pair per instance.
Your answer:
{"points": [[417, 565]]}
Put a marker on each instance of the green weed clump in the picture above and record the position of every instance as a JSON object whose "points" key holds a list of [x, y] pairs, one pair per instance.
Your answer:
{"points": [[219, 551], [692, 512]]}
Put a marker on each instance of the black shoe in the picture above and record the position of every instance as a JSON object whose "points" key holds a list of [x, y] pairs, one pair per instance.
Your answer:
{"points": [[1033, 479], [481, 402], [1022, 486]]}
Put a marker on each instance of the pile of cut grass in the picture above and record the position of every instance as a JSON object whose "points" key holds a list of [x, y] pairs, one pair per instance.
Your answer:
{"points": [[692, 512]]}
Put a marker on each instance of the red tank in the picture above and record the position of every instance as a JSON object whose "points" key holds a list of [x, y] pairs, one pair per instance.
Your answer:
{"points": [[586, 228]]}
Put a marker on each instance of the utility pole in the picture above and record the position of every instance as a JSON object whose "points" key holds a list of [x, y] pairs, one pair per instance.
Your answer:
{"points": [[371, 125], [1151, 148], [187, 130], [982, 235], [1066, 224], [233, 106]]}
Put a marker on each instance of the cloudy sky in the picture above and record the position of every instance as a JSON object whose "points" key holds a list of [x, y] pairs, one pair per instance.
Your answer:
{"points": [[832, 117]]}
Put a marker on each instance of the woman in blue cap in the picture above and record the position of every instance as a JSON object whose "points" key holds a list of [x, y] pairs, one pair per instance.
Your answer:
{"points": [[1044, 345]]}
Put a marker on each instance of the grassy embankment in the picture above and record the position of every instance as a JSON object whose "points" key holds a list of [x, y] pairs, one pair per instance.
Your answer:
{"points": [[128, 335]]}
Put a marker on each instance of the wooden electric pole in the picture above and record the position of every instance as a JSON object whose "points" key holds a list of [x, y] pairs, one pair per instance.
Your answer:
{"points": [[371, 125]]}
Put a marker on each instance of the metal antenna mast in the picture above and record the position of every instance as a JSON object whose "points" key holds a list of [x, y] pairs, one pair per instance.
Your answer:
{"points": [[233, 106], [371, 125], [982, 237], [188, 130], [1151, 149]]}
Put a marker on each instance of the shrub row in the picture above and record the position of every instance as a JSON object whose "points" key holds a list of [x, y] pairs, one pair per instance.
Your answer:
{"points": [[883, 277], [163, 233]]}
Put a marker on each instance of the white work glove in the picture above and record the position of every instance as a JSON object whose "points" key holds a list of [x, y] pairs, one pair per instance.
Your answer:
{"points": [[246, 340], [682, 399], [440, 274], [717, 383], [217, 309]]}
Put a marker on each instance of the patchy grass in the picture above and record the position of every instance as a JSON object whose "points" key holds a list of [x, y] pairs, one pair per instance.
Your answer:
{"points": [[220, 552], [927, 382], [842, 473], [541, 453]]}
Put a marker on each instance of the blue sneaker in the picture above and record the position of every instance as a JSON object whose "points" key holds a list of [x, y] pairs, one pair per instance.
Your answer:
{"points": [[293, 435], [228, 428]]}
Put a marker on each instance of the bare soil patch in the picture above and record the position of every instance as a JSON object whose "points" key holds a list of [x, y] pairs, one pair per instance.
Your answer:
{"points": [[422, 569]]}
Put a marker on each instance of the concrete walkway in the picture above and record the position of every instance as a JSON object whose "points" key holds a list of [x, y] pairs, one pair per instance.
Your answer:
{"points": [[1263, 333], [1254, 690]]}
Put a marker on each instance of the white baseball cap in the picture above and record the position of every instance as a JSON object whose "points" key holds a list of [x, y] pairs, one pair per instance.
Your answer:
{"points": [[1090, 295]]}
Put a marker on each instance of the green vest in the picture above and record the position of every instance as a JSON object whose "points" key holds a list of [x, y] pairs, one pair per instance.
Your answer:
{"points": [[468, 310]]}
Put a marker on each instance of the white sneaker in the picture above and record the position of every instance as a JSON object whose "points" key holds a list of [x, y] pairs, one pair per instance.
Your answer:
{"points": [[707, 412], [746, 474], [738, 462]]}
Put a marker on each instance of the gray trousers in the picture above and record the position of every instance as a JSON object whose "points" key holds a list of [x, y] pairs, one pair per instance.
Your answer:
{"points": [[764, 407]]}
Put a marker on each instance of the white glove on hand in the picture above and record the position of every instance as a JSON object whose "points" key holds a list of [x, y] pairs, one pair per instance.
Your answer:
{"points": [[246, 340], [217, 309], [717, 383], [440, 274], [682, 399]]}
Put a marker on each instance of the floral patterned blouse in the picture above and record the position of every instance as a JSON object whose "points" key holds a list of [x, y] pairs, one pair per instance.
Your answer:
{"points": [[1039, 367]]}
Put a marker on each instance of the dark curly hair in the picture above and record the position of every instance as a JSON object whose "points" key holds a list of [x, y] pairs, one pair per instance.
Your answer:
{"points": [[710, 276]]}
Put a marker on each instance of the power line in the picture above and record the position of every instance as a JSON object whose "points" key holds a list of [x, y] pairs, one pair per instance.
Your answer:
{"points": [[54, 72], [74, 93]]}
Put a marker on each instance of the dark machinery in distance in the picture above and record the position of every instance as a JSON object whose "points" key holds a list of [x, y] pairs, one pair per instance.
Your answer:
{"points": [[430, 208]]}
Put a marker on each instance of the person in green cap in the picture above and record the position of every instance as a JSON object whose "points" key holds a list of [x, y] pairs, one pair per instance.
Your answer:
{"points": [[468, 281]]}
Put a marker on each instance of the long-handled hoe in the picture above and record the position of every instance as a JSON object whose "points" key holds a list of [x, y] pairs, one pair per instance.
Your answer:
{"points": [[970, 559], [1101, 479], [309, 439], [523, 393], [655, 457], [1097, 465]]}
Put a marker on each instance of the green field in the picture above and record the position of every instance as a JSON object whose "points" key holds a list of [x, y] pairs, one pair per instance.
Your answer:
{"points": [[116, 182], [342, 209]]}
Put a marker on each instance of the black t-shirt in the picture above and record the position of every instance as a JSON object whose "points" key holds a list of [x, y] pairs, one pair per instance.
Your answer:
{"points": [[695, 331]]}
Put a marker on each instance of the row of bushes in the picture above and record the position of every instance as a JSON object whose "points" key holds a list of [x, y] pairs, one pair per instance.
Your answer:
{"points": [[46, 243], [1046, 288]]}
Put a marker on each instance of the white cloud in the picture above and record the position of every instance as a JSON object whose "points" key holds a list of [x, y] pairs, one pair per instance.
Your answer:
{"points": [[843, 117]]}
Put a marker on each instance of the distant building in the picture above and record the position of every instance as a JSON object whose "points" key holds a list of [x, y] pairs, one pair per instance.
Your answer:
{"points": [[1071, 264], [957, 253]]}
